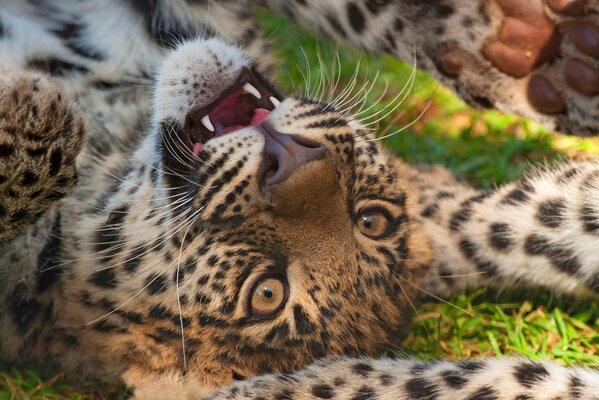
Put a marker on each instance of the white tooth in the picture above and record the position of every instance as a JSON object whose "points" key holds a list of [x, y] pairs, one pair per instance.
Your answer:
{"points": [[275, 102], [252, 90], [206, 121]]}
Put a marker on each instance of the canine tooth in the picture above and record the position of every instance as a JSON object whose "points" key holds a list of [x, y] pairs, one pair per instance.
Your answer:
{"points": [[275, 102], [206, 122], [252, 90]]}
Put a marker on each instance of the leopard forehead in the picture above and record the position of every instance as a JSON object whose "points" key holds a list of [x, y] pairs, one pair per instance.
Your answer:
{"points": [[190, 251]]}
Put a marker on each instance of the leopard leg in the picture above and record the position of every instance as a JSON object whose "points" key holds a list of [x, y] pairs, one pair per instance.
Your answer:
{"points": [[542, 231], [40, 137], [535, 58], [345, 378]]}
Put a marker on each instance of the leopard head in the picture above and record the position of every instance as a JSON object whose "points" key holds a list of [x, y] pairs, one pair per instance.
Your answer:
{"points": [[288, 228]]}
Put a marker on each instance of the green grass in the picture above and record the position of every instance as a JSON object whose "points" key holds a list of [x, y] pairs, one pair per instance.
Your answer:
{"points": [[483, 147]]}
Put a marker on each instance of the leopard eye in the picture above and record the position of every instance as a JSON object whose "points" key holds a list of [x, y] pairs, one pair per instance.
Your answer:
{"points": [[375, 223], [268, 296]]}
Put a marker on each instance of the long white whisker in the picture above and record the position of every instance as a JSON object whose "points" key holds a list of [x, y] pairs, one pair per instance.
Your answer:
{"points": [[434, 296], [179, 299], [123, 304]]}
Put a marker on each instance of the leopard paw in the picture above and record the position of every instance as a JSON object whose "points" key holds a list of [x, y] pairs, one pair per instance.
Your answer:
{"points": [[553, 47], [40, 136]]}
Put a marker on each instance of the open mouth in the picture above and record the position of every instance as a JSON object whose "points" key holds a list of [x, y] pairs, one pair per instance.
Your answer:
{"points": [[247, 102]]}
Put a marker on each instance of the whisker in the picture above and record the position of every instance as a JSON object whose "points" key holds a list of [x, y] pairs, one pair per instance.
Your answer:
{"points": [[435, 296], [179, 298], [124, 303]]}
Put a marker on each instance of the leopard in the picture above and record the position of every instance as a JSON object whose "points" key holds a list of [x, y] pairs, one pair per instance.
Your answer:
{"points": [[174, 221]]}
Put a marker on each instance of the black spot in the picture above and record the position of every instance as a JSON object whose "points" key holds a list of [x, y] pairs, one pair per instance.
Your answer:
{"points": [[500, 236], [3, 30], [55, 161], [443, 10], [56, 67], [303, 325], [362, 369], [529, 374], [280, 332], [73, 35], [6, 150], [105, 326], [208, 320], [471, 366], [23, 309], [576, 387], [430, 211], [104, 278], [105, 85], [337, 28], [515, 197], [590, 219], [132, 316], [484, 393], [524, 397], [156, 284], [454, 379], [459, 217], [165, 334], [398, 25], [29, 178], [179, 321], [160, 312], [327, 123], [386, 379], [285, 394], [470, 252], [48, 267], [164, 27], [562, 257], [356, 18], [482, 101], [375, 6], [108, 238], [551, 212], [467, 22], [134, 258], [364, 393], [421, 389], [202, 298], [323, 391]]}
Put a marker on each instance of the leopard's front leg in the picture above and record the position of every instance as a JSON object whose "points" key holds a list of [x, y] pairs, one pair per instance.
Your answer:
{"points": [[41, 134], [535, 58], [541, 231], [369, 379]]}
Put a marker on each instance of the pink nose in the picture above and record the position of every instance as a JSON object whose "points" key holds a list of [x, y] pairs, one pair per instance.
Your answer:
{"points": [[283, 154]]}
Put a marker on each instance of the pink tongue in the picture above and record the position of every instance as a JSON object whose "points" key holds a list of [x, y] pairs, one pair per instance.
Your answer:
{"points": [[260, 115]]}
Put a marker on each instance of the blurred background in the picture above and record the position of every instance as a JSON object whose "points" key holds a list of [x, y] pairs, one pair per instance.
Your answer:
{"points": [[423, 123]]}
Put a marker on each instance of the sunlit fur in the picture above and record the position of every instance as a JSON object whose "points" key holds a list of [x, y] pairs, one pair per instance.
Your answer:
{"points": [[157, 269], [144, 272]]}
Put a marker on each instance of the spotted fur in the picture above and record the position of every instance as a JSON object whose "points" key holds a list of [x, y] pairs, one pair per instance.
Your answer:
{"points": [[536, 58], [143, 273]]}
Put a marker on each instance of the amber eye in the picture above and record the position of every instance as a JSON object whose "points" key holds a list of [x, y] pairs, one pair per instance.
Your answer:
{"points": [[268, 296], [375, 223]]}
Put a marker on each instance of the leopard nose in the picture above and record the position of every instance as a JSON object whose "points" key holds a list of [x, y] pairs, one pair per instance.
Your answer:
{"points": [[283, 154]]}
